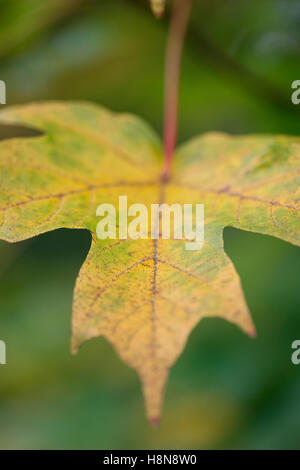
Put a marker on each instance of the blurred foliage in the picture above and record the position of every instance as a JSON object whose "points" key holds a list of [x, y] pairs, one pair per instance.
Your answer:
{"points": [[226, 391]]}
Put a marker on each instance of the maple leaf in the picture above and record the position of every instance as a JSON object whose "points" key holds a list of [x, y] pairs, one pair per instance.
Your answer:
{"points": [[145, 296]]}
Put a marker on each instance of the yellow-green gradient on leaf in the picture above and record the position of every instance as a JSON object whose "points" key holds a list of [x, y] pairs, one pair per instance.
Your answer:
{"points": [[145, 296], [158, 7]]}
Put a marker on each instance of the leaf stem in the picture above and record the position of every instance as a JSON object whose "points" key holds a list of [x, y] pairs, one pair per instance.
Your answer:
{"points": [[179, 20]]}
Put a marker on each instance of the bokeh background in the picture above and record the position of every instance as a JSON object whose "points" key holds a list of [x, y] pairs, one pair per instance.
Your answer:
{"points": [[226, 391]]}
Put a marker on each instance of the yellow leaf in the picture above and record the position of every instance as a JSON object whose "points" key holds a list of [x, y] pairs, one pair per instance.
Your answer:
{"points": [[145, 296]]}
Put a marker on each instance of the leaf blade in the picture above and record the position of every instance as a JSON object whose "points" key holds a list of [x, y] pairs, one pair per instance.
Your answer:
{"points": [[145, 296]]}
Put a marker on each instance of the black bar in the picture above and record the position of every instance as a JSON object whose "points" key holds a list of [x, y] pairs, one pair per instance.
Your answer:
{"points": [[127, 459]]}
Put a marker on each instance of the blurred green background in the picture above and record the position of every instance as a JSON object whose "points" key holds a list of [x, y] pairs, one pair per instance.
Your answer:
{"points": [[226, 391]]}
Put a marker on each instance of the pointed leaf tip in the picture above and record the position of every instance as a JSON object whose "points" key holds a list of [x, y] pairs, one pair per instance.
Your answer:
{"points": [[252, 333], [158, 7], [155, 421]]}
